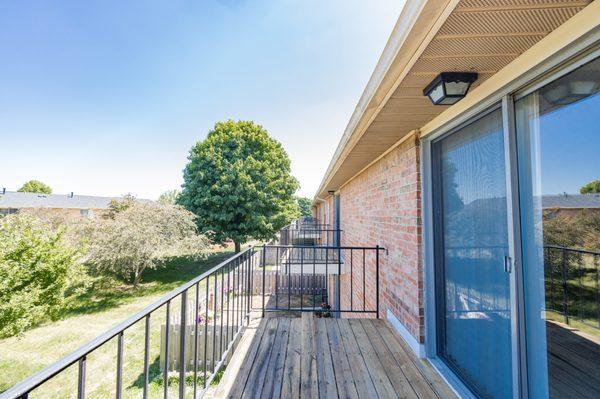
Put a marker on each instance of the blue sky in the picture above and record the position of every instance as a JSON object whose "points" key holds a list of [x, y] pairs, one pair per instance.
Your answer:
{"points": [[107, 97]]}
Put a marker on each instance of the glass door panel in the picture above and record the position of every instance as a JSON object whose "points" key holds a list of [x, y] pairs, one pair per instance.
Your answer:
{"points": [[471, 227], [558, 148]]}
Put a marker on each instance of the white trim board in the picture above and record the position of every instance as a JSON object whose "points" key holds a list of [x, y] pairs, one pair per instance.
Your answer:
{"points": [[417, 348]]}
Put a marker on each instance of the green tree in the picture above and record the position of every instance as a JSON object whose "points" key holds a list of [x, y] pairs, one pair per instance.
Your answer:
{"points": [[304, 204], [169, 197], [139, 237], [239, 184], [35, 186], [592, 187], [35, 269]]}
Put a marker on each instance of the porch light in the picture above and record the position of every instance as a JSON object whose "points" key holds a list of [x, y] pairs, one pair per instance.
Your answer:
{"points": [[449, 87], [582, 83]]}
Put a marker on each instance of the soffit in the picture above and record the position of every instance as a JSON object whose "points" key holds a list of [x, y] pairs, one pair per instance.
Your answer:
{"points": [[481, 36]]}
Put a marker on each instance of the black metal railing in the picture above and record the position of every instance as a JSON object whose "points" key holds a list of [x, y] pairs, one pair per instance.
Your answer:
{"points": [[320, 236], [573, 283], [219, 301], [201, 321], [326, 280]]}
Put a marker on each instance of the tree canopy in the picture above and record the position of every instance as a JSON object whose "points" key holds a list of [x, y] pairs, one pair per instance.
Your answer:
{"points": [[139, 235], [305, 205], [35, 186], [169, 197], [238, 182], [592, 187]]}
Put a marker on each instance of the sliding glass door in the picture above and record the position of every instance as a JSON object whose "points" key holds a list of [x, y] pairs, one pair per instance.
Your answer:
{"points": [[531, 190], [558, 142], [471, 245]]}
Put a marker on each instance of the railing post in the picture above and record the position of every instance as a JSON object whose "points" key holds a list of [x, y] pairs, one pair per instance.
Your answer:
{"points": [[377, 279], [146, 357], [167, 339], [196, 313], [564, 283], [119, 365], [81, 379], [182, 336], [339, 281], [264, 267], [249, 283]]}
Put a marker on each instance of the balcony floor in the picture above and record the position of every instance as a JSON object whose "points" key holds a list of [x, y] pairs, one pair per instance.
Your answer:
{"points": [[282, 357]]}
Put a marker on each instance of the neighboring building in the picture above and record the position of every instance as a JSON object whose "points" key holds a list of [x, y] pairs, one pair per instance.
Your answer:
{"points": [[570, 204], [69, 205], [439, 186]]}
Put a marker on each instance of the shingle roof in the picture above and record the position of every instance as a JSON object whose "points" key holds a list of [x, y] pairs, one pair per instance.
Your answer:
{"points": [[12, 199], [576, 201]]}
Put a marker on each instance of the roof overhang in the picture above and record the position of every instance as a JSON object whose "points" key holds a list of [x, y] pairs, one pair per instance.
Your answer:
{"points": [[430, 37]]}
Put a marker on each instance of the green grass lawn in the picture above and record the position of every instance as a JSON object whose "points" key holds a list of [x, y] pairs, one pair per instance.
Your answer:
{"points": [[88, 316]]}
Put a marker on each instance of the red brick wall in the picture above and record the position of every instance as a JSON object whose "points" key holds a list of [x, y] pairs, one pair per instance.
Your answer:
{"points": [[382, 206]]}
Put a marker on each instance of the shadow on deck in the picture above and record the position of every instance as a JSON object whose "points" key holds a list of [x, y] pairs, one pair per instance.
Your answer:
{"points": [[283, 357]]}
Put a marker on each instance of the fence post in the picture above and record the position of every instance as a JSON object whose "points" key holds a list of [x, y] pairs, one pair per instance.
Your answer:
{"points": [[264, 267], [564, 283], [377, 279]]}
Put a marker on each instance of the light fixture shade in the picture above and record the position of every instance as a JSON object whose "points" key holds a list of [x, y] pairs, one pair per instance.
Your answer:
{"points": [[449, 87]]}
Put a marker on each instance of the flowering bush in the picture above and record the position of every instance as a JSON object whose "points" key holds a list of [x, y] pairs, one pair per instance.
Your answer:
{"points": [[138, 236]]}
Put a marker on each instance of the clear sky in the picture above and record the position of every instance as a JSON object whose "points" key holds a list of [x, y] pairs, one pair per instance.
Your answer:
{"points": [[107, 97]]}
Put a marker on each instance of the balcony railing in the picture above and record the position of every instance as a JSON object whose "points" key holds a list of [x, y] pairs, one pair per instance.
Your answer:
{"points": [[220, 306], [309, 232], [201, 321], [573, 284], [327, 280]]}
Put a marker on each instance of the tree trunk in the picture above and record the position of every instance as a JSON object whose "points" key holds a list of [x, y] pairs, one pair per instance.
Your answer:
{"points": [[238, 247]]}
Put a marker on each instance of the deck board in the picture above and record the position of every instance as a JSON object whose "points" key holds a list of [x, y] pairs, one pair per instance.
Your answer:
{"points": [[330, 358]]}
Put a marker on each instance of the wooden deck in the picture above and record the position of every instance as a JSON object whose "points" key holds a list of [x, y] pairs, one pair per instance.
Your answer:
{"points": [[309, 357], [573, 362]]}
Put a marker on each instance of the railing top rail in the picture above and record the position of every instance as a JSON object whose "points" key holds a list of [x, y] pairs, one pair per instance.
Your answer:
{"points": [[311, 229], [42, 376], [583, 251], [328, 247]]}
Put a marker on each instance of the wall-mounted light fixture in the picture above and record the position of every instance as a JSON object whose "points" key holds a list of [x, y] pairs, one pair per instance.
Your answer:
{"points": [[331, 192], [575, 86], [449, 87]]}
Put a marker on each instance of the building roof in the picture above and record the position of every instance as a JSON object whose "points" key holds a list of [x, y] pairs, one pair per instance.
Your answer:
{"points": [[12, 199], [498, 39], [575, 201]]}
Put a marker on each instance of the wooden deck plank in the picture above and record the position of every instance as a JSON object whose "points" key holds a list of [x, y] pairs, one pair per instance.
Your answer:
{"points": [[418, 382], [258, 372], [382, 383], [362, 378], [309, 386], [330, 358], [394, 373], [343, 373], [290, 387], [247, 363], [325, 371], [273, 379], [234, 366]]}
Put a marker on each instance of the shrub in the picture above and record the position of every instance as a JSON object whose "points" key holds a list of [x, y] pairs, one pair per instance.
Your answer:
{"points": [[35, 268], [139, 236]]}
